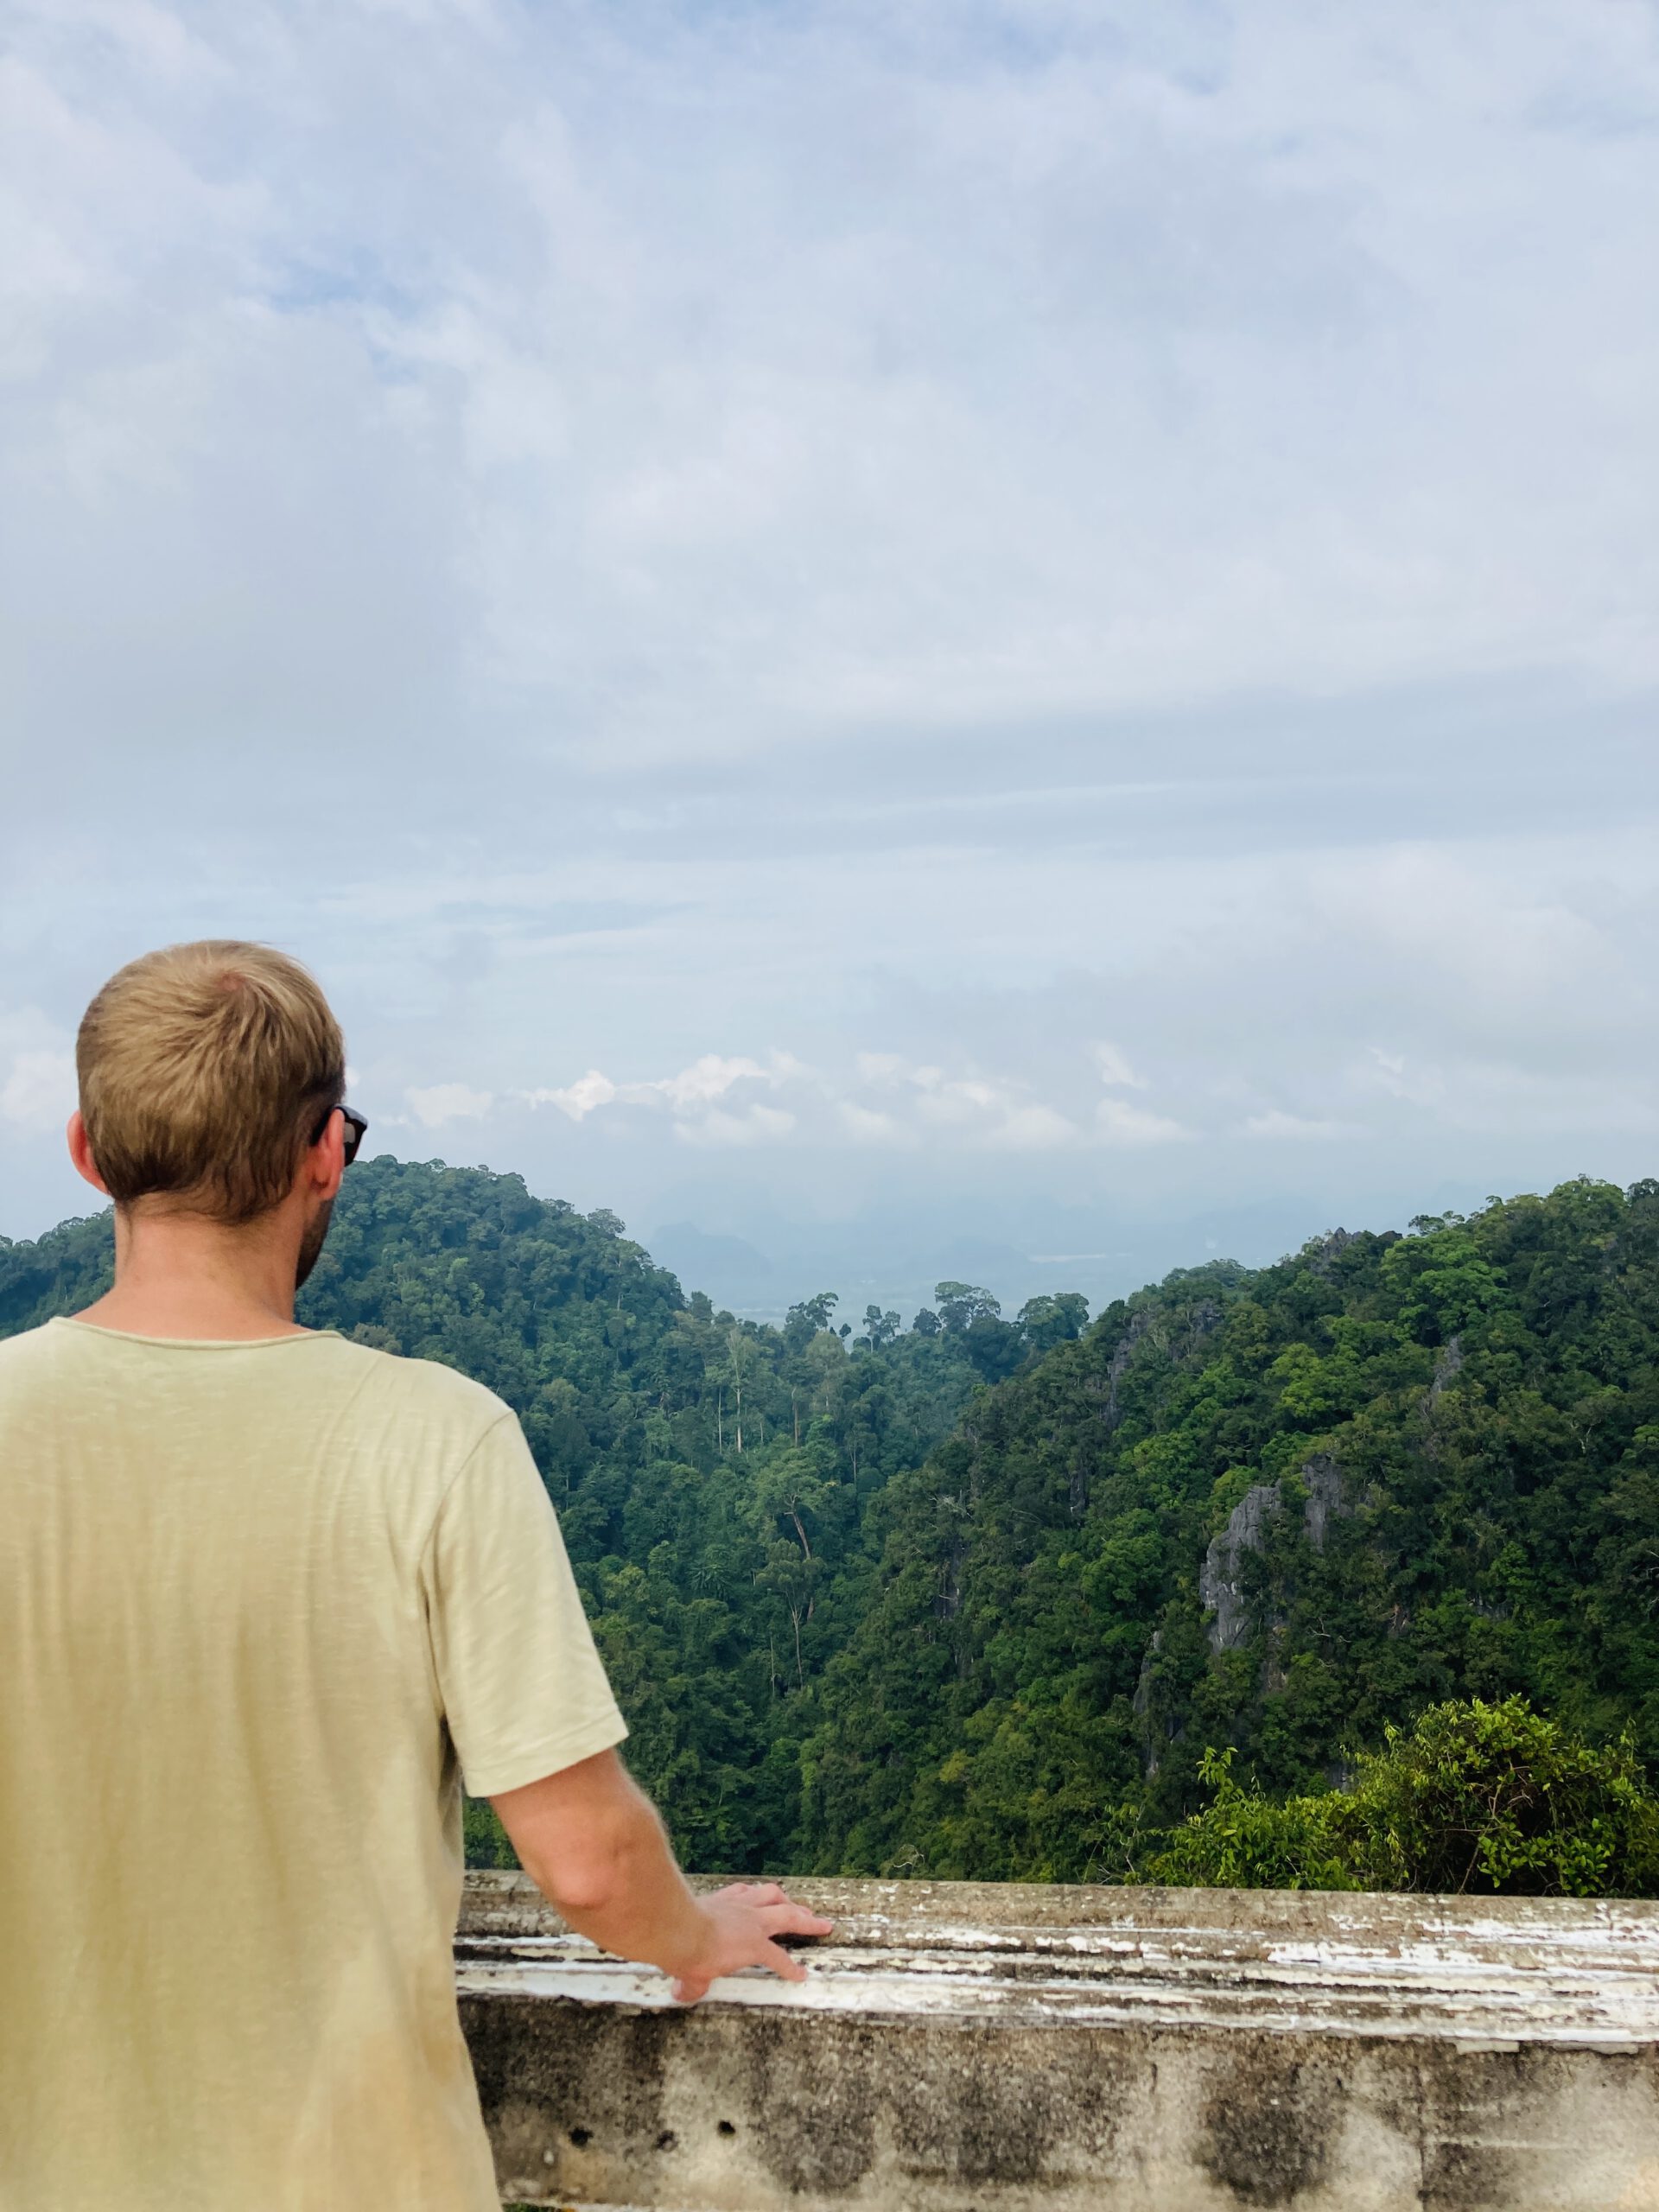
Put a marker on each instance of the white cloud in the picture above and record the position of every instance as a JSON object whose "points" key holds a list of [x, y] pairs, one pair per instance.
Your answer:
{"points": [[39, 1091], [1117, 1122], [707, 1079], [686, 1095], [576, 1099], [1114, 1069], [756, 1125], [1500, 1097], [974, 1110], [866, 1125], [1275, 1124], [985, 1112], [37, 1072], [438, 1104], [1031, 1128], [1410, 1080]]}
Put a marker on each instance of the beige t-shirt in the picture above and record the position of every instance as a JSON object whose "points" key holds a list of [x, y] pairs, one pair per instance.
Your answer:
{"points": [[262, 1606]]}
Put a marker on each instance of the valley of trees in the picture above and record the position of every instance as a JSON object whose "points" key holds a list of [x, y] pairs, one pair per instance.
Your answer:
{"points": [[1015, 1599]]}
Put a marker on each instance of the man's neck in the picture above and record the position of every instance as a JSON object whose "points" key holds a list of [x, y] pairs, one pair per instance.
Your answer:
{"points": [[181, 1275]]}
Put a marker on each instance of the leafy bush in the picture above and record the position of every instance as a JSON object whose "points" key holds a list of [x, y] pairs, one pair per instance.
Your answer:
{"points": [[1481, 1797], [1243, 1841], [1496, 1798]]}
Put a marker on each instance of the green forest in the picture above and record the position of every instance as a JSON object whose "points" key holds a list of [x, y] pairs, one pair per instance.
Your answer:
{"points": [[969, 1596]]}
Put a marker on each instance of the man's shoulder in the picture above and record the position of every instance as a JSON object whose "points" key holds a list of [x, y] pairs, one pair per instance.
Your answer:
{"points": [[426, 1388], [28, 1347]]}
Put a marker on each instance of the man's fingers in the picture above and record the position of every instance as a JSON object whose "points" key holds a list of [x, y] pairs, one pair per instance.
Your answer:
{"points": [[783, 1963], [788, 1918], [687, 1992]]}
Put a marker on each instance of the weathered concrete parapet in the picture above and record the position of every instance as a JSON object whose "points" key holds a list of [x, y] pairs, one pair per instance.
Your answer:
{"points": [[970, 2047]]}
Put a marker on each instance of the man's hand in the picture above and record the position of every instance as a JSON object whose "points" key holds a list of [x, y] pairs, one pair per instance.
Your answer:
{"points": [[591, 1841], [744, 1920]]}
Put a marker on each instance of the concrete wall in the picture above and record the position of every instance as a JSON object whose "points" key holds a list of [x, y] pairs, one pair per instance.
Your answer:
{"points": [[970, 2047]]}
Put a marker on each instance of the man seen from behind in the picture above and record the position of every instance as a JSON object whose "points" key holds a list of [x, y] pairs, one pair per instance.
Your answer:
{"points": [[268, 1599]]}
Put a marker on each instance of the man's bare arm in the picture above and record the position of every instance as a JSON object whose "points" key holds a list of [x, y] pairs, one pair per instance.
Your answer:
{"points": [[592, 1843]]}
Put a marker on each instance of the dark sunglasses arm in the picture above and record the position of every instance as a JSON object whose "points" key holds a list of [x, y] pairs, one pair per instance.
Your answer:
{"points": [[356, 1129]]}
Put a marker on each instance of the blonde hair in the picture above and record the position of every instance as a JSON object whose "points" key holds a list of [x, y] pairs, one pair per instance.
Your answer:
{"points": [[205, 1070]]}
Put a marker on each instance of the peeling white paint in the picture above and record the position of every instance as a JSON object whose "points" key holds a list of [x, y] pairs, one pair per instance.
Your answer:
{"points": [[1588, 1987]]}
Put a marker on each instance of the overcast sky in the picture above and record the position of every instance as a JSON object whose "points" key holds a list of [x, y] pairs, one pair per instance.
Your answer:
{"points": [[961, 614]]}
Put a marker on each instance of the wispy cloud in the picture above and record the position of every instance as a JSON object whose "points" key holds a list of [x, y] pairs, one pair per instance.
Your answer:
{"points": [[882, 1101], [39, 1089], [691, 1096], [37, 1073], [1114, 1068], [578, 1099], [1117, 1122], [755, 1124], [1276, 1125], [436, 1105]]}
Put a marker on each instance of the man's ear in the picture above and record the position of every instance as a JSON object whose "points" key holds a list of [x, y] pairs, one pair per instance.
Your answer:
{"points": [[80, 1152], [325, 1163]]}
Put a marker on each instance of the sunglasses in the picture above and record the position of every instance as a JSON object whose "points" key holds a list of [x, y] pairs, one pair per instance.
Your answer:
{"points": [[356, 1129]]}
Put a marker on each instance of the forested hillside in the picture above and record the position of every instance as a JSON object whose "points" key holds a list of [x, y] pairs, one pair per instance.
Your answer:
{"points": [[976, 1597], [1272, 1510]]}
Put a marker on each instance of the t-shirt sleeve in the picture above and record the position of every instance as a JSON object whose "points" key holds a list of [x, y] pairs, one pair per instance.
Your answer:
{"points": [[523, 1688]]}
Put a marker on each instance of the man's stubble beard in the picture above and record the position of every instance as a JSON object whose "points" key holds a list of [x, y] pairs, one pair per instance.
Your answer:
{"points": [[316, 1230]]}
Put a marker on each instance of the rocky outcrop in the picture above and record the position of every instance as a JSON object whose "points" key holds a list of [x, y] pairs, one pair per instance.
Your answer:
{"points": [[1221, 1579], [1320, 1254]]}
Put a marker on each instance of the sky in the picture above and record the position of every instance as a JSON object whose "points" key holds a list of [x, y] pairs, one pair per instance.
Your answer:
{"points": [[999, 637]]}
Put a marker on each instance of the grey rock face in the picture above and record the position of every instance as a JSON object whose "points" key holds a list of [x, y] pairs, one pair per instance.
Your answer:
{"points": [[1321, 1254], [1221, 1586]]}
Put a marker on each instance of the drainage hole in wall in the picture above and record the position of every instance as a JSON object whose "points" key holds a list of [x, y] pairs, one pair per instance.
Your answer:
{"points": [[668, 2140], [726, 2128], [581, 2137]]}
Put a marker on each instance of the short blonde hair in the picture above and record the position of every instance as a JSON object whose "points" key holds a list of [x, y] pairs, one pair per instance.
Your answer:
{"points": [[205, 1070]]}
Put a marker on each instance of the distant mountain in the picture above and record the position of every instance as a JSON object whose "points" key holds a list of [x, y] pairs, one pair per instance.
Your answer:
{"points": [[895, 1250], [734, 1272]]}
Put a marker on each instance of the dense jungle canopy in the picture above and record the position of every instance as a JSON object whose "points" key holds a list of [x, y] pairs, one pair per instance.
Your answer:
{"points": [[984, 1597]]}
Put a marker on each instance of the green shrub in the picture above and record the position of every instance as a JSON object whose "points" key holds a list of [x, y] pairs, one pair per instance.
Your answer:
{"points": [[1480, 1797], [1497, 1798], [1243, 1841]]}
